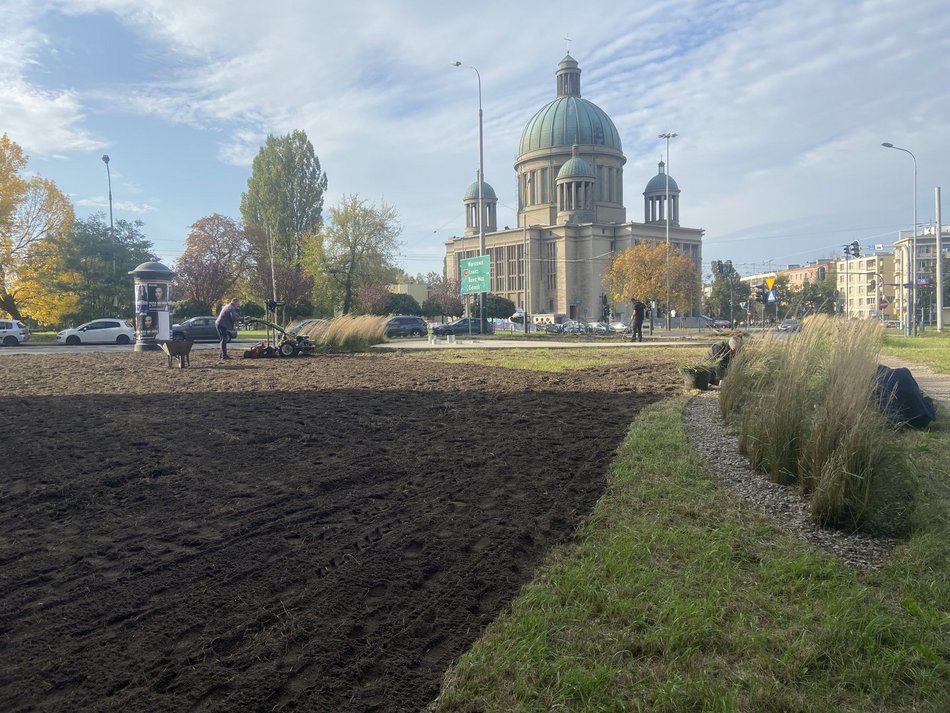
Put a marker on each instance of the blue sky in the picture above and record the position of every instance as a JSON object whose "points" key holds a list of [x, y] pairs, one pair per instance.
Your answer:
{"points": [[780, 107]]}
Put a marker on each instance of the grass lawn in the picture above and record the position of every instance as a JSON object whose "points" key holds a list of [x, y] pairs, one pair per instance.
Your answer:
{"points": [[932, 348], [676, 597]]}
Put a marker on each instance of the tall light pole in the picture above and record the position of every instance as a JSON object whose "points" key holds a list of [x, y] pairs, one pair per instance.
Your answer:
{"points": [[481, 204], [912, 262], [115, 297], [668, 136]]}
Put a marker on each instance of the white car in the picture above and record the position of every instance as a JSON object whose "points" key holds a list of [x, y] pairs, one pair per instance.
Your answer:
{"points": [[13, 332], [99, 331]]}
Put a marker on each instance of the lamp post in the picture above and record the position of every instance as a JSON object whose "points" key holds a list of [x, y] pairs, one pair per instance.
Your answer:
{"points": [[912, 262], [666, 206], [481, 205], [115, 297]]}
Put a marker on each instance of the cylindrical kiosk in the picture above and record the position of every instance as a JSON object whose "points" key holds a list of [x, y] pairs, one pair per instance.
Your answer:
{"points": [[152, 305]]}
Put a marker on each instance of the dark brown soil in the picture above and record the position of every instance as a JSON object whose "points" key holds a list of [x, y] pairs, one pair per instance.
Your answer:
{"points": [[314, 534]]}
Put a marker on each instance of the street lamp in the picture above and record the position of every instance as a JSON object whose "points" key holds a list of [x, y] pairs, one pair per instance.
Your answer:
{"points": [[481, 204], [912, 266], [668, 136], [115, 297]]}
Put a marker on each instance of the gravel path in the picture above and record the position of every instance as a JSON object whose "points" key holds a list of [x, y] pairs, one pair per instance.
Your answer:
{"points": [[781, 503]]}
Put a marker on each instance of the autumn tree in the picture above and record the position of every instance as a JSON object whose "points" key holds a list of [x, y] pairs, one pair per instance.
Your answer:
{"points": [[373, 298], [285, 198], [294, 285], [217, 253], [35, 217], [357, 246], [647, 270], [443, 297]]}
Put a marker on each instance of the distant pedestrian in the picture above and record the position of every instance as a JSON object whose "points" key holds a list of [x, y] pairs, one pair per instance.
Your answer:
{"points": [[226, 323], [639, 312]]}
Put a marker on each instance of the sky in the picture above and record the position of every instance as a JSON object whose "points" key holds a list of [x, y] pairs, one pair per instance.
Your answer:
{"points": [[780, 108]]}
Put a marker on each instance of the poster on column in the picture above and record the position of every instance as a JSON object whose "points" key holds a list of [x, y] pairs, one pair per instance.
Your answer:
{"points": [[158, 296]]}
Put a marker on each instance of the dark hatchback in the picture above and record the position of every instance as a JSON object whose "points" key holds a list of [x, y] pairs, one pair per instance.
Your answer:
{"points": [[197, 329], [405, 326]]}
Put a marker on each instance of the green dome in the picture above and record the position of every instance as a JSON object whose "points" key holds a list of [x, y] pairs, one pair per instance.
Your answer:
{"points": [[566, 121], [657, 184], [576, 168], [488, 193]]}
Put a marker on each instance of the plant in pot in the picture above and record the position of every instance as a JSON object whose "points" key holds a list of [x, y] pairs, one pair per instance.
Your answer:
{"points": [[697, 375]]}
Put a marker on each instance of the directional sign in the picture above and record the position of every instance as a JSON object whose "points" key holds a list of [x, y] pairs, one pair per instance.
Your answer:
{"points": [[476, 274], [769, 284]]}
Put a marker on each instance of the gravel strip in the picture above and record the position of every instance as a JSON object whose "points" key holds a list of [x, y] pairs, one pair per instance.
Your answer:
{"points": [[782, 503]]}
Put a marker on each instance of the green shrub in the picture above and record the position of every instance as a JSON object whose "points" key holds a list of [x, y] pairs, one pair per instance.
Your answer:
{"points": [[806, 413]]}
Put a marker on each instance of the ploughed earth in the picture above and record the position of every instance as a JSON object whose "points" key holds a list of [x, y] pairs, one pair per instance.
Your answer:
{"points": [[320, 534]]}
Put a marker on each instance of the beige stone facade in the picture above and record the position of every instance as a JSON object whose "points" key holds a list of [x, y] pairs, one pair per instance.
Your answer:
{"points": [[865, 283], [571, 214]]}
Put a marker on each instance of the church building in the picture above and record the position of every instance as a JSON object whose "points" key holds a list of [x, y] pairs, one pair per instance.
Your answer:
{"points": [[571, 214]]}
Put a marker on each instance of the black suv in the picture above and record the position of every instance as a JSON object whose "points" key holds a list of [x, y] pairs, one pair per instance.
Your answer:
{"points": [[401, 326]]}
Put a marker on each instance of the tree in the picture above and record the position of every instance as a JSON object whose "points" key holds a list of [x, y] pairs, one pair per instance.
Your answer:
{"points": [[356, 247], [643, 272], [496, 307], [816, 297], [294, 285], [217, 253], [285, 198], [373, 298], [403, 304], [726, 292], [35, 217], [443, 297], [90, 251]]}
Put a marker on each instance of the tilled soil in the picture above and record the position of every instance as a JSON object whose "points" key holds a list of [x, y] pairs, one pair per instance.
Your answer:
{"points": [[318, 534]]}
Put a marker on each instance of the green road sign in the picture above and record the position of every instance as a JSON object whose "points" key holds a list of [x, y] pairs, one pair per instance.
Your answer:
{"points": [[476, 274]]}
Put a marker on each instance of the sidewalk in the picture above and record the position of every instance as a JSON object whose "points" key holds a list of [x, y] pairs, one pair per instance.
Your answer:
{"points": [[934, 385]]}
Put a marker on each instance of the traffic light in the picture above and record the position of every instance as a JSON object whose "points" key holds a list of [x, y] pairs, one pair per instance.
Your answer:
{"points": [[761, 293], [855, 249], [847, 251]]}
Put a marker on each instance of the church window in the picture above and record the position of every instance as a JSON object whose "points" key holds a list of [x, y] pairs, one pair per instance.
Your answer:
{"points": [[545, 192]]}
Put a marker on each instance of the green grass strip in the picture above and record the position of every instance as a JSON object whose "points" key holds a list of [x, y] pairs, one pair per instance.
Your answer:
{"points": [[676, 597], [931, 348]]}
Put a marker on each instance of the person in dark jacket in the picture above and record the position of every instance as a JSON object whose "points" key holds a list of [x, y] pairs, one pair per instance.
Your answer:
{"points": [[227, 322], [639, 312], [721, 353]]}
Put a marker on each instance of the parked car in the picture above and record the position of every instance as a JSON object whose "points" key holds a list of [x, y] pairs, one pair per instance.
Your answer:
{"points": [[459, 327], [98, 331], [406, 326], [554, 328], [598, 328], [893, 324], [790, 325], [13, 332], [313, 327], [618, 327], [198, 329], [572, 326]]}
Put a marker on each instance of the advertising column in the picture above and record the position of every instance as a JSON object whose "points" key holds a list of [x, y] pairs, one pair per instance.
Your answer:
{"points": [[152, 305]]}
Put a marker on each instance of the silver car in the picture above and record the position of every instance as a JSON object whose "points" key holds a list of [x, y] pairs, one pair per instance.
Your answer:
{"points": [[13, 332]]}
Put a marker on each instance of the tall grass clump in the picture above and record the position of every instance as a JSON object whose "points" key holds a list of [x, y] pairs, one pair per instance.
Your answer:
{"points": [[807, 414], [352, 334]]}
